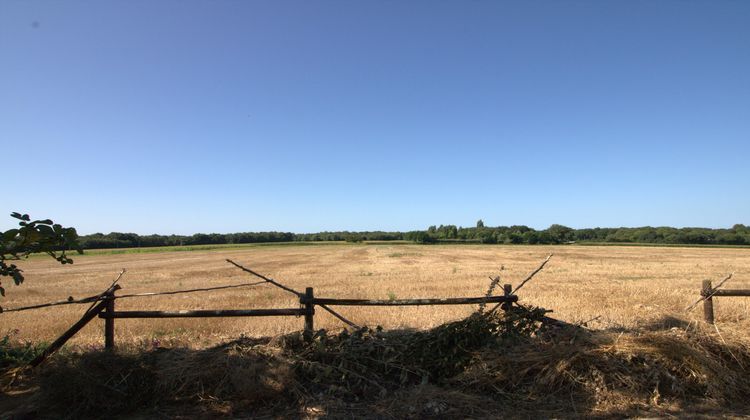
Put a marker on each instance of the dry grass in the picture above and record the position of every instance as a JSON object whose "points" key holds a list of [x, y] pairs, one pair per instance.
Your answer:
{"points": [[628, 287]]}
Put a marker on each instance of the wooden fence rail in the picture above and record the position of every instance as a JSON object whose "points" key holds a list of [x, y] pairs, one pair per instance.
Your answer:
{"points": [[220, 313], [708, 294], [414, 302]]}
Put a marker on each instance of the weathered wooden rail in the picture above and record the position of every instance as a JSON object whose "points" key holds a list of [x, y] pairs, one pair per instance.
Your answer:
{"points": [[708, 293], [220, 313]]}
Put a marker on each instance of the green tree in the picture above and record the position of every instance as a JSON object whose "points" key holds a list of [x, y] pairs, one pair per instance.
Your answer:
{"points": [[420, 237], [480, 223], [514, 238], [38, 236], [560, 233]]}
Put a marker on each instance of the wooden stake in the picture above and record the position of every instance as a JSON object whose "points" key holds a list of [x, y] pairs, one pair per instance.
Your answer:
{"points": [[109, 323], [307, 300], [708, 302], [508, 292], [88, 316]]}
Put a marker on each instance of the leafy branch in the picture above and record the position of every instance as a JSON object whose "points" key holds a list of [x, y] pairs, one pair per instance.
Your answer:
{"points": [[38, 236]]}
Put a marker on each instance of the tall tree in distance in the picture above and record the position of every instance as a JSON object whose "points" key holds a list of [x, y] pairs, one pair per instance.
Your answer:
{"points": [[480, 223]]}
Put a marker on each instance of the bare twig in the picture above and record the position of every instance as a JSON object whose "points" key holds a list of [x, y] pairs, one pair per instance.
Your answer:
{"points": [[100, 296], [275, 283], [533, 273], [493, 284], [529, 277], [337, 315], [727, 347], [70, 300], [119, 276], [713, 292], [342, 369], [205, 289], [586, 323], [111, 289]]}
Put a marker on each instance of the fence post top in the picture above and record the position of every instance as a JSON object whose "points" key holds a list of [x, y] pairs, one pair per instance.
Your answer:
{"points": [[307, 296]]}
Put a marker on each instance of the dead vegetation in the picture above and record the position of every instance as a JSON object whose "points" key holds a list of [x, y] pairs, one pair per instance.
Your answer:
{"points": [[482, 366]]}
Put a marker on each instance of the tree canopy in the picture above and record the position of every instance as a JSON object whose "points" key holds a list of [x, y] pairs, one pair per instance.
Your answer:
{"points": [[516, 234]]}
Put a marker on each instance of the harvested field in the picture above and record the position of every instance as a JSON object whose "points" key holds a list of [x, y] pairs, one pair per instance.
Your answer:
{"points": [[625, 287], [643, 355]]}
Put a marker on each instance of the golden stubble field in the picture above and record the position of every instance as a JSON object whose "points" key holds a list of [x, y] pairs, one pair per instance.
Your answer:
{"points": [[623, 287]]}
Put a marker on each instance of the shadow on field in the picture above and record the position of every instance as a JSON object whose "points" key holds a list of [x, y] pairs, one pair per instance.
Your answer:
{"points": [[481, 367]]}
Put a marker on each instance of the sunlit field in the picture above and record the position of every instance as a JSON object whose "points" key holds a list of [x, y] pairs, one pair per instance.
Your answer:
{"points": [[613, 286]]}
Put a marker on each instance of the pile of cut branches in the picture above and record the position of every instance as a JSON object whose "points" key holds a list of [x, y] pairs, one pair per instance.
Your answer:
{"points": [[373, 360]]}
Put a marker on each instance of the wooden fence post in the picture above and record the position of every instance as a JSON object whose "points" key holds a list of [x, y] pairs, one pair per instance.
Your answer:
{"points": [[109, 323], [708, 302], [507, 291], [307, 300]]}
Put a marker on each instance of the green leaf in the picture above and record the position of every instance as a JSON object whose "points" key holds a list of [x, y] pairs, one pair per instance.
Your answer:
{"points": [[20, 216], [17, 277], [45, 230], [10, 234], [42, 236]]}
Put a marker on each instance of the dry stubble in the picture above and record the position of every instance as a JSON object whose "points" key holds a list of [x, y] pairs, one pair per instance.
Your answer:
{"points": [[622, 286]]}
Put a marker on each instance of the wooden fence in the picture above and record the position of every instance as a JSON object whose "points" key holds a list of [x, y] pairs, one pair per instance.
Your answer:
{"points": [[103, 306], [708, 293], [307, 301]]}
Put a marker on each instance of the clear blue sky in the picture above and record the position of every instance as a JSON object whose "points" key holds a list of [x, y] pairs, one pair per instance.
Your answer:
{"points": [[203, 116]]}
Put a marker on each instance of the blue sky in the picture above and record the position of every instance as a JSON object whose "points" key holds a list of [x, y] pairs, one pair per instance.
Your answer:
{"points": [[198, 116]]}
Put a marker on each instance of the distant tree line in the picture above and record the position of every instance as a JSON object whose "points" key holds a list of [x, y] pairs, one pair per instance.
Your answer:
{"points": [[518, 234], [558, 234], [133, 240]]}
